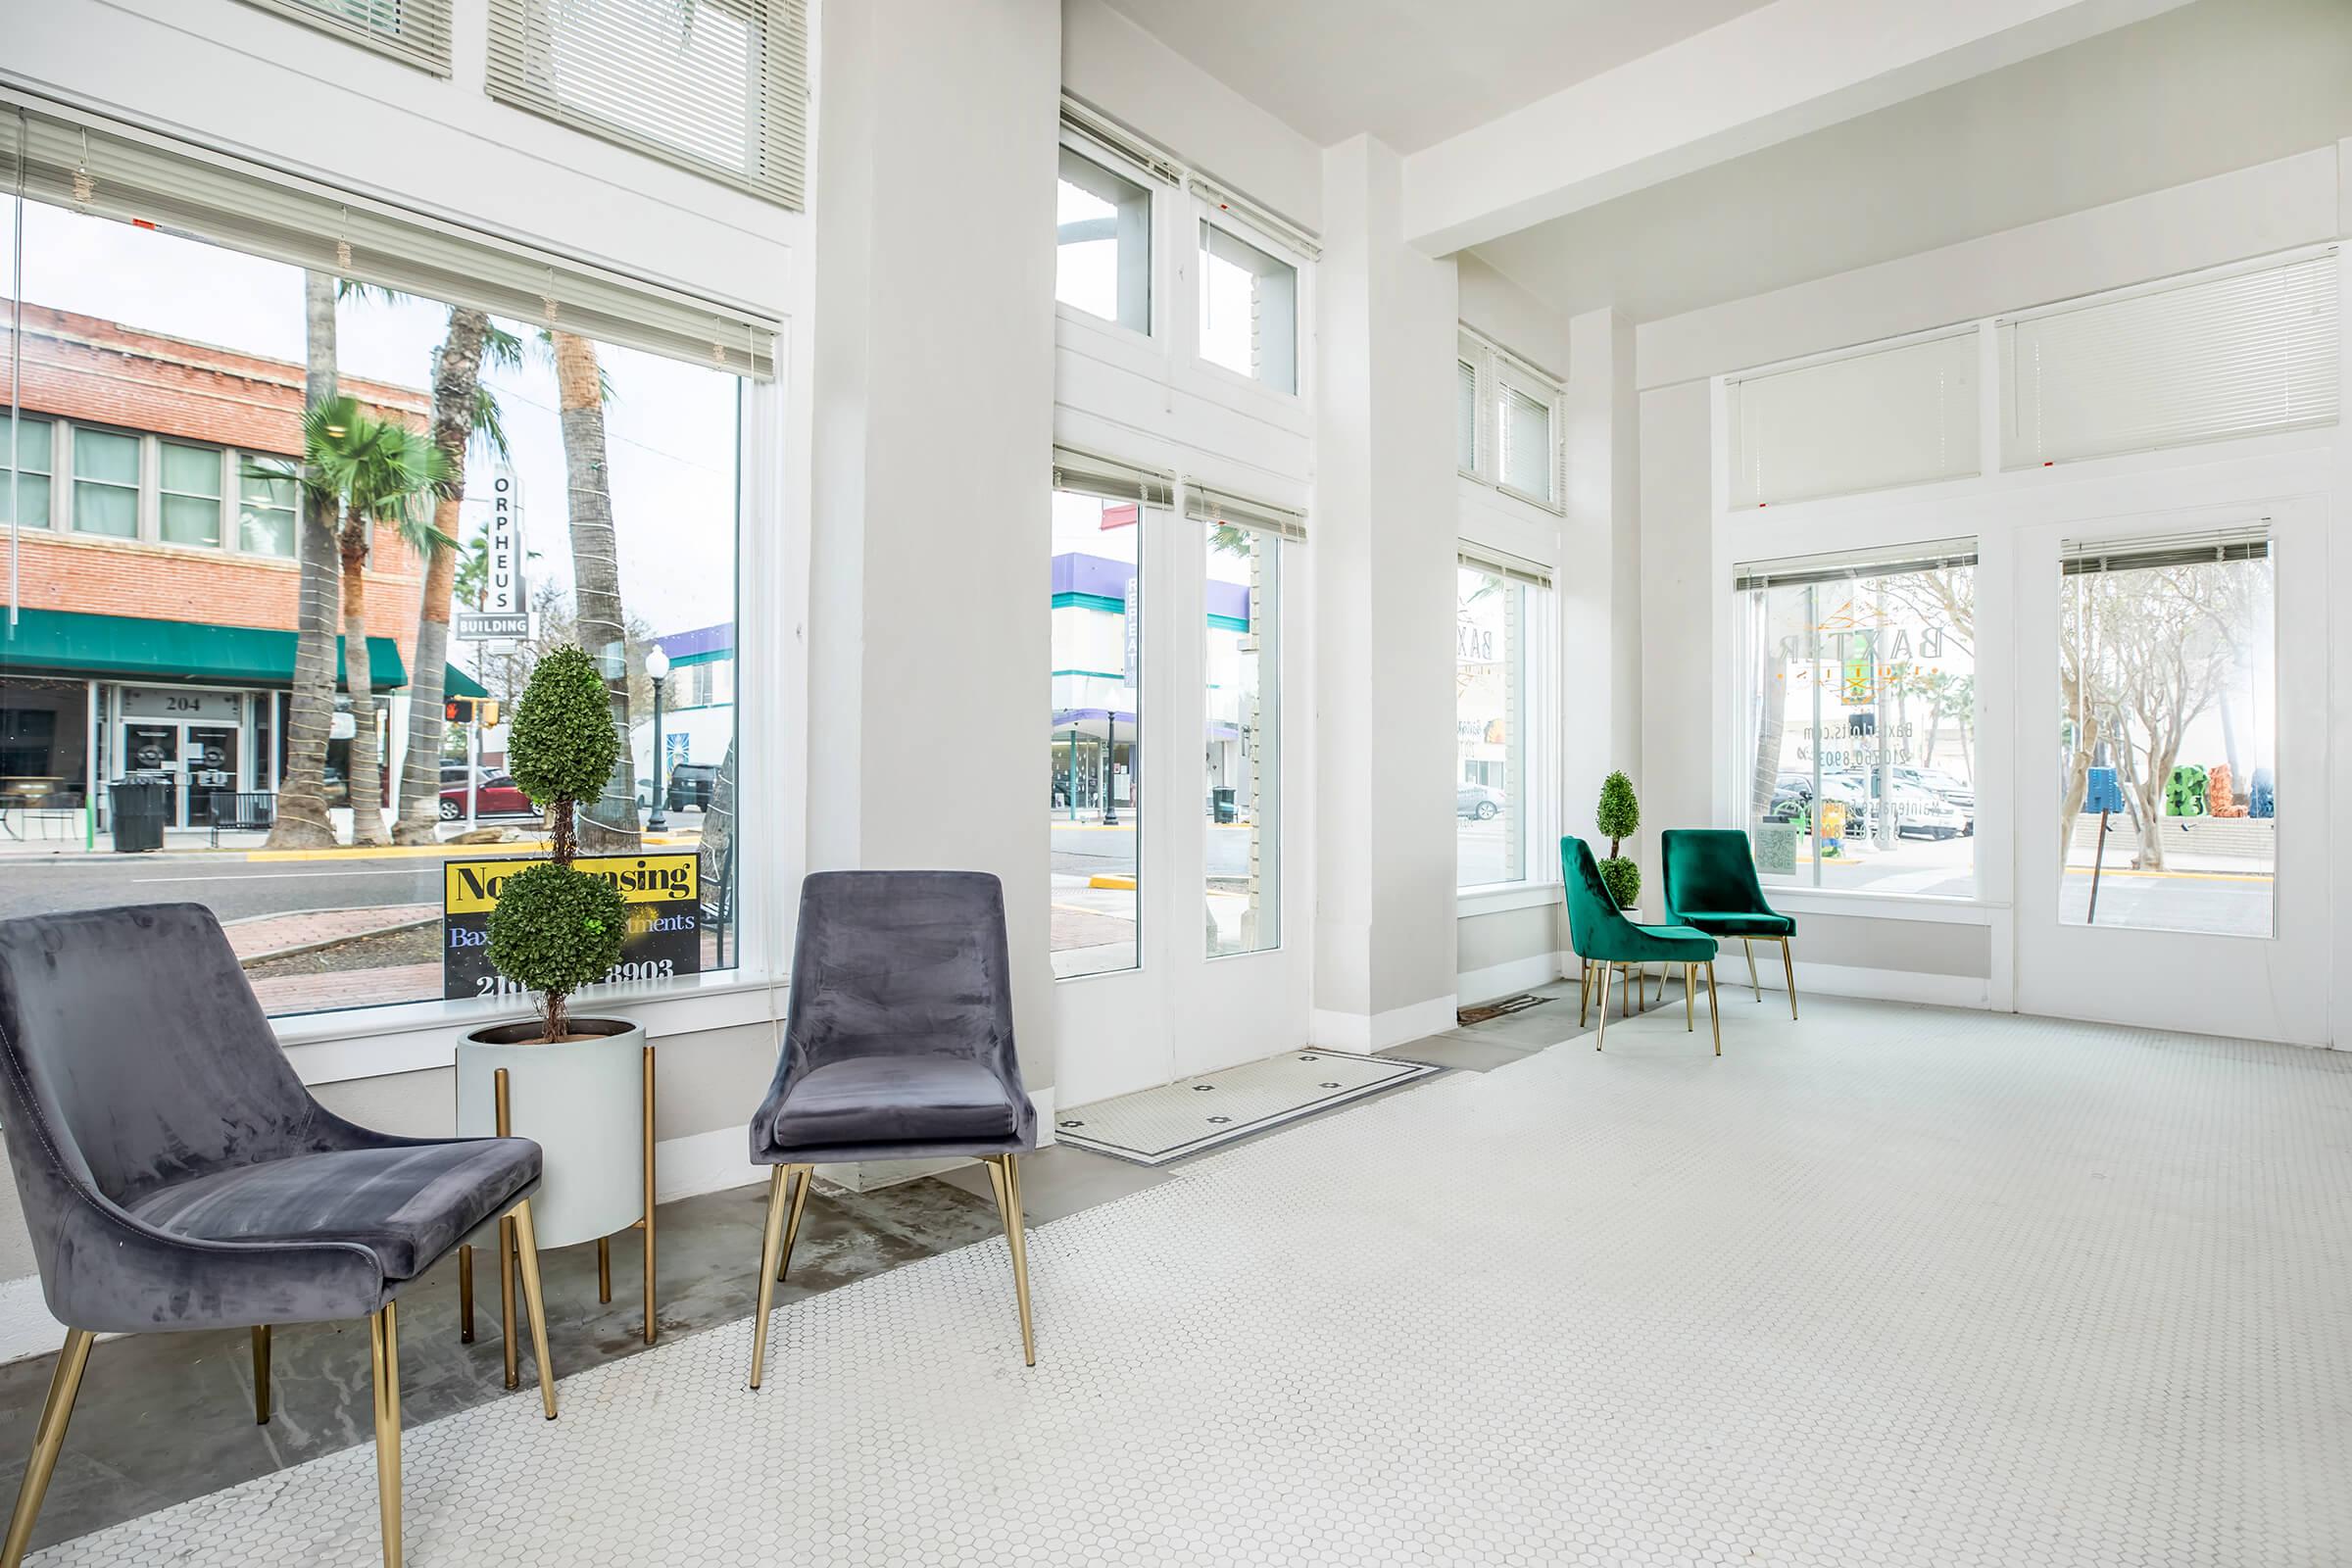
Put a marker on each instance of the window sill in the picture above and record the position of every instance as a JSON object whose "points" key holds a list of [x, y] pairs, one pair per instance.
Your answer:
{"points": [[328, 1047], [1503, 896], [1883, 905]]}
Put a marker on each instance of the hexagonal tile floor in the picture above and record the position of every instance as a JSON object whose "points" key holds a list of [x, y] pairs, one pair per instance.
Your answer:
{"points": [[1895, 1286]]}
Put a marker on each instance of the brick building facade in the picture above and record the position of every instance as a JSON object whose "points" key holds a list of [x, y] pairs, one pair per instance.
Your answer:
{"points": [[155, 564]]}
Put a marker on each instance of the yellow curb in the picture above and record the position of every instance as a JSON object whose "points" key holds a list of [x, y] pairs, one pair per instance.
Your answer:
{"points": [[425, 852], [1124, 882]]}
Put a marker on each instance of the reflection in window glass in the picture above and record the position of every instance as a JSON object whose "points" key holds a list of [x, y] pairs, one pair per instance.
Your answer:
{"points": [[158, 703], [2169, 726], [1527, 464], [1859, 726], [1102, 260], [1243, 657], [25, 490], [1095, 736], [1248, 309], [1490, 706]]}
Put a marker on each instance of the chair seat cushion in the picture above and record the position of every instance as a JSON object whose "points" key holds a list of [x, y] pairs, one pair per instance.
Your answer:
{"points": [[407, 1205], [1674, 944], [1742, 923], [896, 1099]]}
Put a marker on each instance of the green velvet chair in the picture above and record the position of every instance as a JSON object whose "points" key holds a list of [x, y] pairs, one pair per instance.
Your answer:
{"points": [[1601, 935], [1711, 886]]}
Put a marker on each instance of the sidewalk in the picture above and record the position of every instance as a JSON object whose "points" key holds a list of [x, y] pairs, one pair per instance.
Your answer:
{"points": [[277, 936], [195, 844]]}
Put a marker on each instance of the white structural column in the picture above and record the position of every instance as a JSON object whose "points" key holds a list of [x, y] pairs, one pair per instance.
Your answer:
{"points": [[1774, 72], [1384, 581], [931, 537], [1598, 583]]}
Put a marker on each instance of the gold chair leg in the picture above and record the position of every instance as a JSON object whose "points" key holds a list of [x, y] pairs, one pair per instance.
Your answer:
{"points": [[505, 1299], [464, 1295], [48, 1440], [383, 1349], [1788, 967], [603, 1269], [1749, 947], [527, 1246], [1601, 1038], [771, 1244], [1714, 1015], [1005, 1175], [260, 1375], [1689, 998], [807, 1178], [652, 1323]]}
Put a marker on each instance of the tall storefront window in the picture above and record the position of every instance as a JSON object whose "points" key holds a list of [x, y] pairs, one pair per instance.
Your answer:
{"points": [[1857, 720], [150, 697], [2169, 727], [1491, 720], [1242, 653], [1094, 739]]}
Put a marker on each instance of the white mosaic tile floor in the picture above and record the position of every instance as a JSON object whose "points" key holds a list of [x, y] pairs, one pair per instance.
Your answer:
{"points": [[1153, 1126], [1895, 1287]]}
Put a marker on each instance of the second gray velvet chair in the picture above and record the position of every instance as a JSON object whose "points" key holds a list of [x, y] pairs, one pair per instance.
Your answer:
{"points": [[898, 1045], [175, 1174]]}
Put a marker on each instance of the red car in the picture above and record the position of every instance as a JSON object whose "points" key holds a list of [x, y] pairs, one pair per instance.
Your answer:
{"points": [[499, 796]]}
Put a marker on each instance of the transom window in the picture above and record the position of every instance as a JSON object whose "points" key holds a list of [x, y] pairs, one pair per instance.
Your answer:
{"points": [[1102, 256], [1248, 309]]}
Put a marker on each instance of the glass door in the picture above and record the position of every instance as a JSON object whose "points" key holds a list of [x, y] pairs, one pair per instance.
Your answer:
{"points": [[208, 768]]}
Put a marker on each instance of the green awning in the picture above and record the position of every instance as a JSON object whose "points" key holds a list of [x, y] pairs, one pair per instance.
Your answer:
{"points": [[71, 643], [455, 682]]}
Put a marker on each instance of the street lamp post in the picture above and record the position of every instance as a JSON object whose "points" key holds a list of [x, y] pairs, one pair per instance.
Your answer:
{"points": [[657, 670]]}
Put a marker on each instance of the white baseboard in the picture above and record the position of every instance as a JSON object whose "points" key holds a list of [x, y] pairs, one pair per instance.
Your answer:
{"points": [[1848, 980], [683, 1167], [1366, 1033], [1520, 974]]}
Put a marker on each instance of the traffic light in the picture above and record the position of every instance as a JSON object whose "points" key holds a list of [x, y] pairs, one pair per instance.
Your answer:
{"points": [[482, 710]]}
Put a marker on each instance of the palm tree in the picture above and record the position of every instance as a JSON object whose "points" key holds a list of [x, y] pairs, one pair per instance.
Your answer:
{"points": [[610, 825], [302, 821], [370, 472], [465, 412]]}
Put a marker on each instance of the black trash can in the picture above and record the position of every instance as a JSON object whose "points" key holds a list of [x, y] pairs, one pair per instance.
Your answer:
{"points": [[139, 807], [1221, 801]]}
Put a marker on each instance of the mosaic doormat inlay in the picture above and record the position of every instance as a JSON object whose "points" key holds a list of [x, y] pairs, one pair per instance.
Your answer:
{"points": [[1153, 1126]]}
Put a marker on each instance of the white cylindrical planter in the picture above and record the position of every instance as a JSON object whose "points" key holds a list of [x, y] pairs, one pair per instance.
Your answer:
{"points": [[582, 1101]]}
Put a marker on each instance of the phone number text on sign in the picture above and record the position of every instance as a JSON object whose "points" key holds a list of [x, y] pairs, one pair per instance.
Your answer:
{"points": [[664, 897]]}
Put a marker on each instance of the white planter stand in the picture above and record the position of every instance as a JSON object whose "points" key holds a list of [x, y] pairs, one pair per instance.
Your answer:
{"points": [[582, 1101]]}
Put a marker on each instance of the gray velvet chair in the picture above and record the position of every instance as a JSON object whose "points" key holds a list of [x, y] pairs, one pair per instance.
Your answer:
{"points": [[898, 1045], [175, 1174]]}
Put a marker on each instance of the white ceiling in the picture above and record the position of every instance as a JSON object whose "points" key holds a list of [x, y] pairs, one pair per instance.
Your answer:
{"points": [[1413, 72], [2214, 87]]}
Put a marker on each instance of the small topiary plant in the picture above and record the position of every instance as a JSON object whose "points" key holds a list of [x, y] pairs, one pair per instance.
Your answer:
{"points": [[557, 928], [1619, 816]]}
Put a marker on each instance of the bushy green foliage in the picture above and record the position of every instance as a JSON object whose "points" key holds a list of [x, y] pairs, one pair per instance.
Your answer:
{"points": [[555, 929], [564, 746], [1619, 816], [1623, 878]]}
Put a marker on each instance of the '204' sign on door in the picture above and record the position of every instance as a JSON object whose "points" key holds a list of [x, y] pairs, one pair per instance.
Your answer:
{"points": [[664, 897]]}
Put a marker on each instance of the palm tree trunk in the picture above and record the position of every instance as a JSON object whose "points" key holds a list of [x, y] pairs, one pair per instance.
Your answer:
{"points": [[366, 772], [456, 376], [611, 824], [302, 819]]}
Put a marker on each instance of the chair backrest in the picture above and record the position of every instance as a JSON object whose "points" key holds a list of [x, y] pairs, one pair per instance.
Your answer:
{"points": [[893, 962], [1595, 924], [1711, 870], [134, 1053]]}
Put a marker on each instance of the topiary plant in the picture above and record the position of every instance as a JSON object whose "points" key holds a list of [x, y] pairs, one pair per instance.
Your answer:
{"points": [[557, 928], [1619, 816]]}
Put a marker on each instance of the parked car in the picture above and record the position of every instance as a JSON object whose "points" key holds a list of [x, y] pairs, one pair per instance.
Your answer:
{"points": [[1477, 802], [691, 785], [1957, 793], [500, 795]]}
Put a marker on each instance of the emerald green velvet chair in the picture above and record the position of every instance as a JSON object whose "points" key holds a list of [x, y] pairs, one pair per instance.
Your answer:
{"points": [[1711, 886], [1601, 935]]}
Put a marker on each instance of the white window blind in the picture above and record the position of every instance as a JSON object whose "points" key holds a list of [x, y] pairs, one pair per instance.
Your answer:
{"points": [[1503, 564], [1869, 421], [1465, 416], [2245, 542], [413, 30], [1894, 560], [717, 86], [1087, 474], [2240, 354], [111, 172], [1527, 445], [1206, 503]]}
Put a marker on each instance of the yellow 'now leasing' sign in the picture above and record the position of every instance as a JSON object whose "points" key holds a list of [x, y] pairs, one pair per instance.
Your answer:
{"points": [[663, 893], [470, 887]]}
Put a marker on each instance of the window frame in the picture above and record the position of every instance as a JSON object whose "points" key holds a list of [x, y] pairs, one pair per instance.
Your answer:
{"points": [[138, 486], [1534, 754], [223, 457], [1112, 162], [425, 47], [1497, 375], [49, 518], [1192, 245]]}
